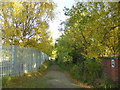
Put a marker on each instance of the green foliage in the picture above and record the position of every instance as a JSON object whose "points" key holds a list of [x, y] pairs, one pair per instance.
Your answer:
{"points": [[81, 73], [93, 68], [88, 68], [6, 80], [91, 31], [60, 65], [45, 66], [25, 24]]}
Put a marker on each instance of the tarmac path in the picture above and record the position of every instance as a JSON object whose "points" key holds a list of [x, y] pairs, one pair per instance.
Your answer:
{"points": [[58, 79]]}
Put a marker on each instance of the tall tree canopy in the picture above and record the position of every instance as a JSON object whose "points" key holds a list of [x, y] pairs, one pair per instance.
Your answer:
{"points": [[26, 23], [91, 31]]}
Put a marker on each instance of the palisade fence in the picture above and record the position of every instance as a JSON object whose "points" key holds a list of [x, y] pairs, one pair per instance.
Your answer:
{"points": [[15, 60]]}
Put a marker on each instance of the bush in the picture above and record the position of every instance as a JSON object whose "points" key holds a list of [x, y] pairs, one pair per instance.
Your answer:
{"points": [[88, 71], [6, 80], [93, 68]]}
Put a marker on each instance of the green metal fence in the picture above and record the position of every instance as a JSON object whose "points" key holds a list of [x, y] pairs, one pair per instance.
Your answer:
{"points": [[16, 60]]}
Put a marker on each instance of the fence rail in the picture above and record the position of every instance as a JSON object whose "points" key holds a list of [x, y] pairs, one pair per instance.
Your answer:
{"points": [[16, 60]]}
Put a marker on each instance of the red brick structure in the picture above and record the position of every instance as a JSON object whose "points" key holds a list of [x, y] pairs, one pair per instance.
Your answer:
{"points": [[109, 71]]}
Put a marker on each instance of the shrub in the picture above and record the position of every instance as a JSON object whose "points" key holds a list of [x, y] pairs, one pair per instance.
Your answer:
{"points": [[6, 80], [93, 67]]}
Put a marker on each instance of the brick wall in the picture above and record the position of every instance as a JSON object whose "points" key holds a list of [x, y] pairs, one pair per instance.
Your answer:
{"points": [[114, 71], [109, 71]]}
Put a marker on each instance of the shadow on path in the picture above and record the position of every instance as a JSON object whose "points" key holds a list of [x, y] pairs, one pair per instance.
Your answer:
{"points": [[58, 79]]}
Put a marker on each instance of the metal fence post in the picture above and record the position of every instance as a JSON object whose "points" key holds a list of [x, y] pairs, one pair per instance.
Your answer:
{"points": [[0, 60], [31, 59], [35, 57], [14, 59], [40, 58]]}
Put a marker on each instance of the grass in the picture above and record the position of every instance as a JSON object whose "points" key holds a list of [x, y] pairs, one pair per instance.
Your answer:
{"points": [[86, 79], [29, 80]]}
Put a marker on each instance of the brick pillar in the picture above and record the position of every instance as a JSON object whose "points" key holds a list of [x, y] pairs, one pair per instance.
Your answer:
{"points": [[119, 71], [107, 67], [114, 71], [109, 71]]}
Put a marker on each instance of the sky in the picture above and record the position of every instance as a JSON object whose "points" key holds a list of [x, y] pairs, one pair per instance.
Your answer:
{"points": [[59, 16]]}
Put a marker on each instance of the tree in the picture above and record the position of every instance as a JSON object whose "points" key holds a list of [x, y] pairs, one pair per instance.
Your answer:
{"points": [[91, 30], [26, 23]]}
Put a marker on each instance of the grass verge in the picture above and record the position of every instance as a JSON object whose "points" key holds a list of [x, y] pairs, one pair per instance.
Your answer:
{"points": [[29, 80]]}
